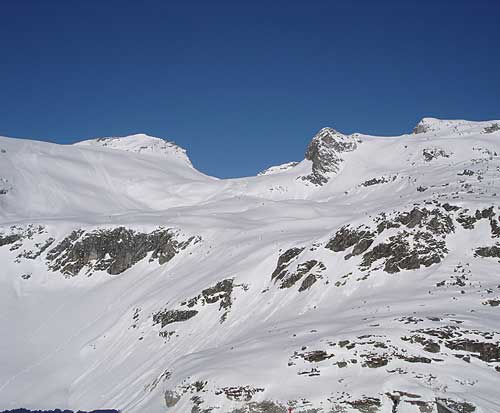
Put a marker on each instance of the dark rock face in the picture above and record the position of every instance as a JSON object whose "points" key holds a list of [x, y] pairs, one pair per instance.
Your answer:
{"points": [[420, 244], [482, 350], [308, 282], [468, 222], [433, 220], [375, 361], [314, 356], [325, 151], [240, 393], [283, 261], [220, 292], [173, 316], [427, 344], [427, 125], [421, 127], [302, 269], [493, 128], [491, 252], [416, 359], [64, 246], [18, 235], [377, 181], [471, 343], [367, 405], [171, 398], [41, 248], [451, 406], [400, 255], [9, 239], [427, 247], [466, 172], [288, 278], [362, 246], [494, 227], [361, 237], [434, 153], [113, 250]]}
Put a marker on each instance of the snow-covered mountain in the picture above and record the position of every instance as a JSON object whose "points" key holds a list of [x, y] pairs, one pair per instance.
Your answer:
{"points": [[361, 279]]}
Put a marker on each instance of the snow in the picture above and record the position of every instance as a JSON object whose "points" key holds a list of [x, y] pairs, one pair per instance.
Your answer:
{"points": [[143, 144], [69, 342], [278, 168]]}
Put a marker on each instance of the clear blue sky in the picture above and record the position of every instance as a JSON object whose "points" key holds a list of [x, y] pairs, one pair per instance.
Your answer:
{"points": [[243, 85]]}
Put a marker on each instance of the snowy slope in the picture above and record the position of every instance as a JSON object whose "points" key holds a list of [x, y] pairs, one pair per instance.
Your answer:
{"points": [[361, 279], [143, 144]]}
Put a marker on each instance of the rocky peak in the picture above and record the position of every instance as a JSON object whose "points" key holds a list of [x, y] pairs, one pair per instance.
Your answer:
{"points": [[325, 153], [423, 126]]}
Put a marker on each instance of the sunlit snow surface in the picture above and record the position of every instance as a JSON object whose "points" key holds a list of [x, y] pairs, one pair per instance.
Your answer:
{"points": [[357, 338]]}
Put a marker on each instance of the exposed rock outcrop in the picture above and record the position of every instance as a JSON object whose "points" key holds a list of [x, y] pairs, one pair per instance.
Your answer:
{"points": [[493, 128], [360, 237], [220, 293], [491, 252], [112, 250], [402, 254], [430, 154], [287, 277], [283, 261], [422, 127], [173, 316], [325, 153], [240, 393]]}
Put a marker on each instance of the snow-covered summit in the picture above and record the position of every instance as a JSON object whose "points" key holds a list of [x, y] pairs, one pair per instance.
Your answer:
{"points": [[106, 175], [444, 127], [143, 144], [278, 168]]}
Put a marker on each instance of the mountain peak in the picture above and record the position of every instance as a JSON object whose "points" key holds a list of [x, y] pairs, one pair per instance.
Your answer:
{"points": [[142, 144], [450, 127], [327, 130], [324, 151]]}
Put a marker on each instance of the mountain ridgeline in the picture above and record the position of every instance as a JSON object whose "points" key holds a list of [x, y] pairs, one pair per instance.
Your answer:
{"points": [[361, 279]]}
